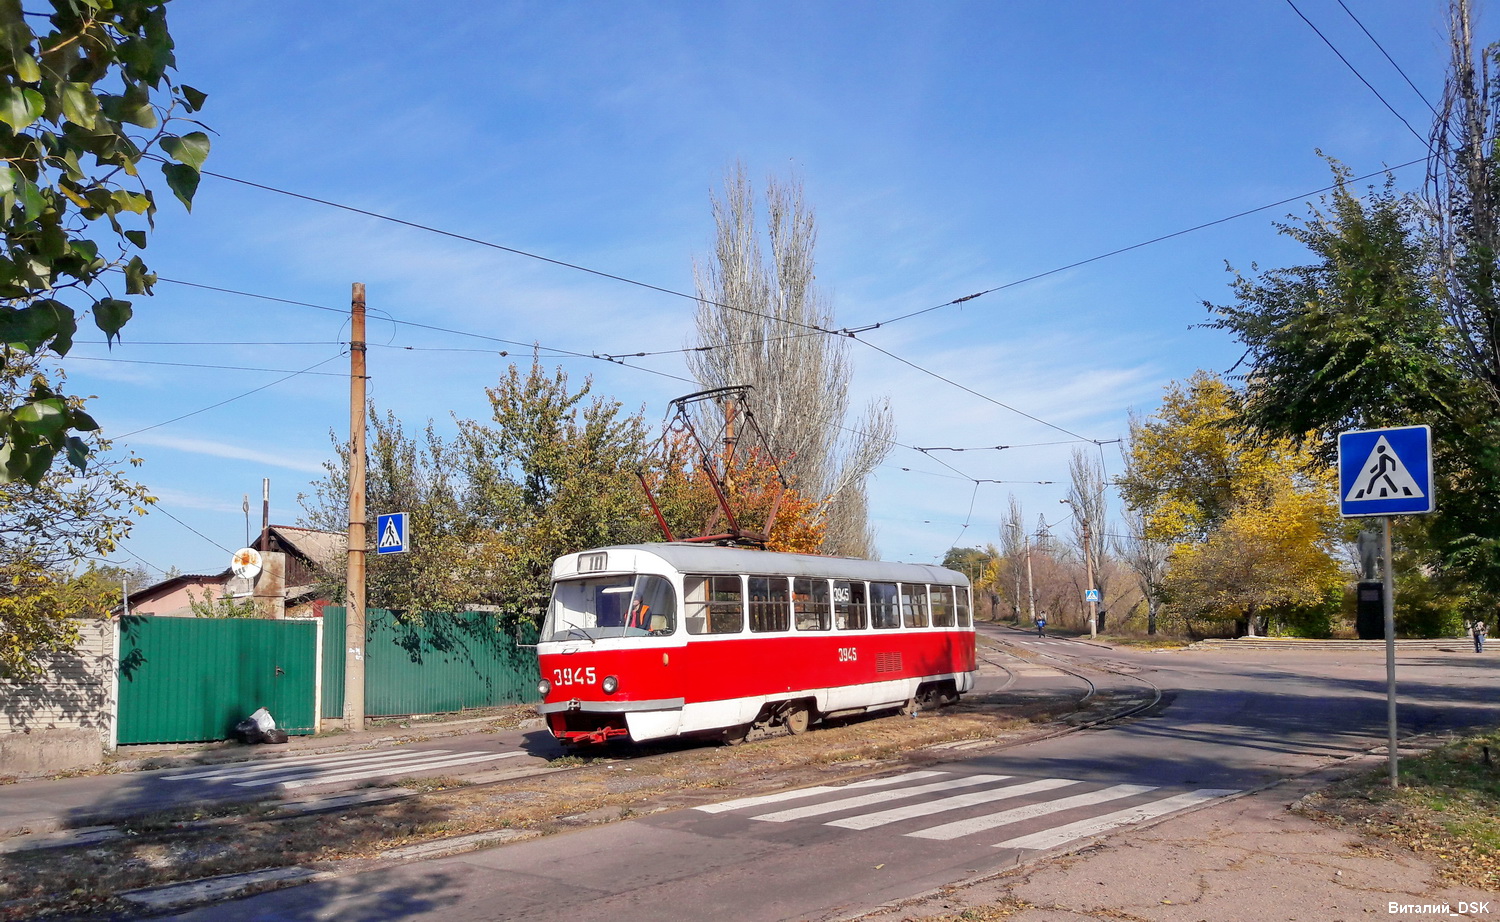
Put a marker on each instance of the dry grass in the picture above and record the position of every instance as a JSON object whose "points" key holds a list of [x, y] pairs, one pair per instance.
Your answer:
{"points": [[1446, 809], [190, 846]]}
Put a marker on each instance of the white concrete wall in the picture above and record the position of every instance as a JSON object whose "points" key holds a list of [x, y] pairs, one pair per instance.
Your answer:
{"points": [[66, 719]]}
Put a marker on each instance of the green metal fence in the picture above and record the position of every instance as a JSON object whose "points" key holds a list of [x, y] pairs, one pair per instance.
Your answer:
{"points": [[192, 679], [440, 663]]}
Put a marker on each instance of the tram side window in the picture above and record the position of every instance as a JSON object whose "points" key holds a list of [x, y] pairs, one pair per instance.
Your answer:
{"points": [[963, 608], [914, 604], [770, 605], [810, 597], [850, 607], [714, 605], [885, 610], [654, 608], [942, 605]]}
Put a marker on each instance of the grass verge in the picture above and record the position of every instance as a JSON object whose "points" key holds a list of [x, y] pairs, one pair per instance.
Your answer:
{"points": [[1446, 809]]}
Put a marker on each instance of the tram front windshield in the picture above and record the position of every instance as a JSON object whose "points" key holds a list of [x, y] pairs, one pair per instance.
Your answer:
{"points": [[610, 606]]}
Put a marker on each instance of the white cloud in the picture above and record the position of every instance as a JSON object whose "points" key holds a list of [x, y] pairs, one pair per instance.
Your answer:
{"points": [[217, 449]]}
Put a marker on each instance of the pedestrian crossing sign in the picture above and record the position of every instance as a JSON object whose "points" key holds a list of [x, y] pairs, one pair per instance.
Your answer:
{"points": [[1386, 471], [390, 533], [1091, 595]]}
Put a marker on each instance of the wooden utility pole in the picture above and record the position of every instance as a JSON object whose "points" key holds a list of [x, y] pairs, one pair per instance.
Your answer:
{"points": [[354, 592]]}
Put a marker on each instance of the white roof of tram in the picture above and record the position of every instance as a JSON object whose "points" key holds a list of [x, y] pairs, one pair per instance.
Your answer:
{"points": [[711, 559]]}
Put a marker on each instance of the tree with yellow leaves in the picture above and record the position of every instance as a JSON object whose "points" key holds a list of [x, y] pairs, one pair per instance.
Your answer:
{"points": [[1253, 522]]}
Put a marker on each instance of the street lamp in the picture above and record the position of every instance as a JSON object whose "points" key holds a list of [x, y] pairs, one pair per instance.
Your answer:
{"points": [[1088, 563], [1030, 586]]}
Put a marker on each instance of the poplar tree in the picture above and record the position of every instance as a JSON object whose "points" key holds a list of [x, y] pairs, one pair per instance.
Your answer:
{"points": [[761, 321]]}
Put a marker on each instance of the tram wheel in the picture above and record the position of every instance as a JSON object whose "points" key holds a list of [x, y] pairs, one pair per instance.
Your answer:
{"points": [[797, 718], [734, 736]]}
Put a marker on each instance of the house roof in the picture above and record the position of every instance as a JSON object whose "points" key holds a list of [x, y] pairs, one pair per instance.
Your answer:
{"points": [[167, 586], [323, 549]]}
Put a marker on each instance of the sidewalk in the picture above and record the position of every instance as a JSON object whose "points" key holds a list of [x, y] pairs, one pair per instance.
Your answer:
{"points": [[47, 805], [144, 757], [1251, 859]]}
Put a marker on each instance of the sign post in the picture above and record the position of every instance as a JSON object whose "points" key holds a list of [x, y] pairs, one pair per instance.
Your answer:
{"points": [[1386, 472]]}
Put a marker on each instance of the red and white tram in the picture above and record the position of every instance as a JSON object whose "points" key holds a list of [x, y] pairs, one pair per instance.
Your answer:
{"points": [[653, 641]]}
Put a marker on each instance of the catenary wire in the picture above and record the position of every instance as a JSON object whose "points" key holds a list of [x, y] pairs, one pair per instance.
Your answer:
{"points": [[506, 249], [845, 331], [1133, 246]]}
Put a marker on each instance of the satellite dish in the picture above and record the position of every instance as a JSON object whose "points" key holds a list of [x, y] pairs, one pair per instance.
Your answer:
{"points": [[246, 563]]}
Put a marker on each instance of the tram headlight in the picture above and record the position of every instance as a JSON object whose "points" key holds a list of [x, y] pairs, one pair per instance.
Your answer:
{"points": [[610, 684], [544, 687]]}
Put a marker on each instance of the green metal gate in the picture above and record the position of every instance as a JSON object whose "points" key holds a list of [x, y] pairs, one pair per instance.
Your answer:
{"points": [[442, 663], [192, 679]]}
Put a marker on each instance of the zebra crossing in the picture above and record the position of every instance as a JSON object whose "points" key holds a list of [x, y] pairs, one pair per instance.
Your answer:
{"points": [[302, 771], [871, 804]]}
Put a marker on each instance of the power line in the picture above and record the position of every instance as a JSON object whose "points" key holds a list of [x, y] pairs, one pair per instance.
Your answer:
{"points": [[1388, 57], [93, 358], [221, 403], [189, 528], [1352, 69], [425, 326], [203, 342]]}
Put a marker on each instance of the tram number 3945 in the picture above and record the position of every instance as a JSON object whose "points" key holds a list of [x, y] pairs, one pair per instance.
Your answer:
{"points": [[848, 654], [579, 676]]}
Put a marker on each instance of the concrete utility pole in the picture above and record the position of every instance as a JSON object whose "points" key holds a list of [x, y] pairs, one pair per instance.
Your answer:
{"points": [[265, 514], [1088, 565], [354, 592]]}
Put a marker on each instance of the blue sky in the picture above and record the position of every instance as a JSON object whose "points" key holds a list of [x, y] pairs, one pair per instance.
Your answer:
{"points": [[948, 148]]}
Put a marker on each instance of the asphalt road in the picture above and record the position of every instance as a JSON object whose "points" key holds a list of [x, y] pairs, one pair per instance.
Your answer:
{"points": [[1227, 722]]}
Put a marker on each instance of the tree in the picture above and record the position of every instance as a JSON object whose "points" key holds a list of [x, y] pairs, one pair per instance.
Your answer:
{"points": [[1463, 197], [1090, 518], [753, 487], [490, 510], [1354, 339], [554, 474], [46, 529], [1188, 467], [764, 323], [83, 102], [452, 563], [1015, 549], [1146, 558], [1252, 521], [1274, 553]]}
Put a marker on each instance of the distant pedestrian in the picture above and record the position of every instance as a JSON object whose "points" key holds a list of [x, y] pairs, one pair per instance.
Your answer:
{"points": [[1041, 625], [1479, 631]]}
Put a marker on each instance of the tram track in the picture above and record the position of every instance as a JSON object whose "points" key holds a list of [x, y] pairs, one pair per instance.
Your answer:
{"points": [[1068, 667]]}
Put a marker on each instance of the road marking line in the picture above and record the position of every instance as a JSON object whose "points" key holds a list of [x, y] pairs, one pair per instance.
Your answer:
{"points": [[871, 820], [728, 805], [284, 764], [399, 769], [1054, 837], [864, 800], [1006, 817]]}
